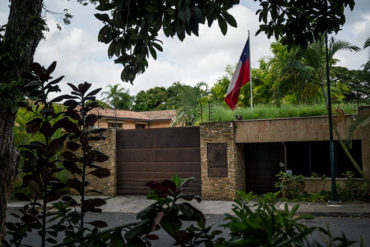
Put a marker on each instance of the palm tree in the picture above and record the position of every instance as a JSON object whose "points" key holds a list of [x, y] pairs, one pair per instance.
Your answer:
{"points": [[367, 64], [188, 100], [310, 64], [118, 97]]}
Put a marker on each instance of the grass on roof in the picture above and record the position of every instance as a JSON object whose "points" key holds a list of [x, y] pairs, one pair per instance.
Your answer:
{"points": [[222, 113]]}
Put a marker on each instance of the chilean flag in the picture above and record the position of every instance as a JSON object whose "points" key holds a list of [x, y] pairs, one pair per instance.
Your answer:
{"points": [[240, 78]]}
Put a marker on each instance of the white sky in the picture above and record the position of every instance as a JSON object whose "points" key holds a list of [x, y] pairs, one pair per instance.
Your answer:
{"points": [[82, 58]]}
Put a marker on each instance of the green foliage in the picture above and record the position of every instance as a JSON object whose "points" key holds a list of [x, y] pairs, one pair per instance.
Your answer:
{"points": [[39, 156], [223, 113], [358, 82], [260, 223], [188, 101], [291, 186], [152, 99], [353, 191], [132, 28], [42, 161], [299, 23], [11, 94], [367, 64], [118, 97], [22, 137]]}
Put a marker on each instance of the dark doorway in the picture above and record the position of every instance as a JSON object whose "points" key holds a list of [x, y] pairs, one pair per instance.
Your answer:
{"points": [[262, 162]]}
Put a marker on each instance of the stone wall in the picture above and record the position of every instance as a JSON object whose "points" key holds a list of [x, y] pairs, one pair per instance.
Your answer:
{"points": [[313, 185], [221, 188], [108, 185]]}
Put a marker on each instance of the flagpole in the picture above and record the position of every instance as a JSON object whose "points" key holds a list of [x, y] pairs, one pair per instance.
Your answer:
{"points": [[250, 69]]}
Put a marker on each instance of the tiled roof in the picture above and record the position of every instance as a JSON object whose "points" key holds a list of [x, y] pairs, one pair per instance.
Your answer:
{"points": [[145, 115]]}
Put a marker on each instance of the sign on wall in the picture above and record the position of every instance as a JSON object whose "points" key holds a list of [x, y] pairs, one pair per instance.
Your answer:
{"points": [[217, 159]]}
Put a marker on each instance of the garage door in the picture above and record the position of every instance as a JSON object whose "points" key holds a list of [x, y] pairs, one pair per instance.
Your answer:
{"points": [[144, 155]]}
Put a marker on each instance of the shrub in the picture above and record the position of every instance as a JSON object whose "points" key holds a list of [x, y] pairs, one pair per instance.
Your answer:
{"points": [[352, 190], [43, 163], [262, 224], [291, 186]]}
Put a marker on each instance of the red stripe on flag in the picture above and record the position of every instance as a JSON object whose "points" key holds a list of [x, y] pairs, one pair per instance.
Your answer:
{"points": [[243, 78]]}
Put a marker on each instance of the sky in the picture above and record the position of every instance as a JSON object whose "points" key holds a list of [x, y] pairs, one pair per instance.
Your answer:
{"points": [[80, 57]]}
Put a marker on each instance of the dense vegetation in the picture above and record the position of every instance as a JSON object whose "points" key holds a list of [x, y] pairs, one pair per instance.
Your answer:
{"points": [[291, 83]]}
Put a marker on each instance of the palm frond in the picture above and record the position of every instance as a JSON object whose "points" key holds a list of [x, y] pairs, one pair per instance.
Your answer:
{"points": [[367, 43], [338, 45]]}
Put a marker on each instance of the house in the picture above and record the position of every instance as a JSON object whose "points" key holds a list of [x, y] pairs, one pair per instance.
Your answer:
{"points": [[125, 119]]}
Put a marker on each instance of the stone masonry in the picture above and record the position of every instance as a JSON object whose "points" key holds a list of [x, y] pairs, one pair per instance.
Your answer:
{"points": [[221, 188], [108, 185]]}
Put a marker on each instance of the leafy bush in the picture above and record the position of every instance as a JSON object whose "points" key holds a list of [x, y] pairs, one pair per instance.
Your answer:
{"points": [[353, 191], [262, 224], [42, 161], [291, 186]]}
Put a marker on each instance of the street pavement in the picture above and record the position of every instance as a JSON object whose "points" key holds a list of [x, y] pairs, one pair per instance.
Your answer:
{"points": [[351, 218], [134, 204]]}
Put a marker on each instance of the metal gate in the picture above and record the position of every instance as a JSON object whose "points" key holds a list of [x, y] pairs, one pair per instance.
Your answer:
{"points": [[144, 155]]}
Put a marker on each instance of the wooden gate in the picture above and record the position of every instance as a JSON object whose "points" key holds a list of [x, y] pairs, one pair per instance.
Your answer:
{"points": [[144, 155]]}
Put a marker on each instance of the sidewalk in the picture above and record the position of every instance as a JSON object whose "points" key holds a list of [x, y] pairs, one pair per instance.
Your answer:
{"points": [[134, 204]]}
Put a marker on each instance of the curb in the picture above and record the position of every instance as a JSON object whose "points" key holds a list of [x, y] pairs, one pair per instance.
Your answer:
{"points": [[336, 214]]}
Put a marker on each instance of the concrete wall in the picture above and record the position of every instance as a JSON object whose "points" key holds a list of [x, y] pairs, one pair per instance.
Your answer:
{"points": [[159, 124], [130, 124], [305, 129]]}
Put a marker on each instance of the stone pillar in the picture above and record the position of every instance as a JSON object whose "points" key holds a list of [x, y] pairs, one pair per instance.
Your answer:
{"points": [[221, 188], [108, 185]]}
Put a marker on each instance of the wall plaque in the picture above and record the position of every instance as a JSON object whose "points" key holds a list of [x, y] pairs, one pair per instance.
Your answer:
{"points": [[217, 159]]}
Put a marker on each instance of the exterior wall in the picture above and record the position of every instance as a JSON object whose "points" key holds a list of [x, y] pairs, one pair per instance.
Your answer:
{"points": [[305, 129], [108, 185], [313, 185], [221, 188], [290, 129], [130, 124], [103, 123], [160, 124]]}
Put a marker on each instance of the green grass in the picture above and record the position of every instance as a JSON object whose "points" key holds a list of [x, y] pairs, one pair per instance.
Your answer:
{"points": [[223, 113]]}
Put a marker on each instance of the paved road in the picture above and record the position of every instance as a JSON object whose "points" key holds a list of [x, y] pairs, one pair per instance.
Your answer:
{"points": [[353, 227]]}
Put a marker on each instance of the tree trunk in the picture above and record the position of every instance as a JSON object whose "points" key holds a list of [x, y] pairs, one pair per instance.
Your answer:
{"points": [[8, 164], [23, 33]]}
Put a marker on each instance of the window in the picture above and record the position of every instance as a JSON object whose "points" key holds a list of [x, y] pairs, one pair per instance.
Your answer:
{"points": [[140, 126], [115, 125], [306, 158]]}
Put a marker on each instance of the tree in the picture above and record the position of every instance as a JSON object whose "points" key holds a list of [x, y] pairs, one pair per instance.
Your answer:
{"points": [[18, 42], [189, 98], [300, 73], [263, 79], [367, 64], [118, 97], [357, 80], [173, 95], [300, 23], [152, 99], [131, 30]]}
